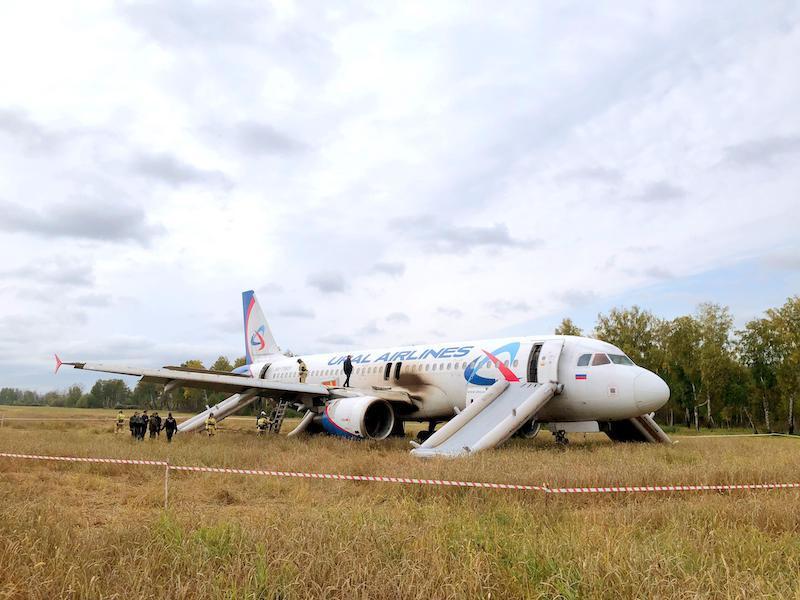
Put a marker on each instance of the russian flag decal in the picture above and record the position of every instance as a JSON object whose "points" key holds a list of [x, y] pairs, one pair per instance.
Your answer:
{"points": [[580, 376]]}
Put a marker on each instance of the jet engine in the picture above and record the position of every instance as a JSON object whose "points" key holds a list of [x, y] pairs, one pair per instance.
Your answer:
{"points": [[362, 417]]}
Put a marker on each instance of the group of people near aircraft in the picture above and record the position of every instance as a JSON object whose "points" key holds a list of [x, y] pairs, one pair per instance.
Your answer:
{"points": [[262, 424], [139, 424]]}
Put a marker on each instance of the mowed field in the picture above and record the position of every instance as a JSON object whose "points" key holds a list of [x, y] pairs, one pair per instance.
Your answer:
{"points": [[90, 530]]}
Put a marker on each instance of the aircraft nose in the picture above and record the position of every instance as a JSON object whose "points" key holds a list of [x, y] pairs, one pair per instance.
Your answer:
{"points": [[650, 391]]}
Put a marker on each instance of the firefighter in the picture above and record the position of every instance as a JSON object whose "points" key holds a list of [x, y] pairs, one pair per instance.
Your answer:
{"points": [[262, 423], [302, 369], [171, 426], [348, 370], [133, 423], [120, 422], [155, 425], [211, 425], [143, 424]]}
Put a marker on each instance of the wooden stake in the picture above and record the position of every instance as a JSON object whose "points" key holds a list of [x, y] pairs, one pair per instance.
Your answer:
{"points": [[166, 485]]}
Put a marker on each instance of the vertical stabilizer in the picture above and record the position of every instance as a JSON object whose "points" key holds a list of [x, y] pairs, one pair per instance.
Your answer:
{"points": [[258, 340]]}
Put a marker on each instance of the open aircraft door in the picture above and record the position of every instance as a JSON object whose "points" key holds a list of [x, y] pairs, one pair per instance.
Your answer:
{"points": [[547, 361]]}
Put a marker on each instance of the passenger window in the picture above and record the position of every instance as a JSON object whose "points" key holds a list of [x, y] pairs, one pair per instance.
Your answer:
{"points": [[448, 366], [584, 360], [600, 359], [516, 363]]}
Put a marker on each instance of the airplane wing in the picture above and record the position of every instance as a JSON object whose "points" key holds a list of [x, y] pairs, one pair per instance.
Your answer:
{"points": [[209, 380]]}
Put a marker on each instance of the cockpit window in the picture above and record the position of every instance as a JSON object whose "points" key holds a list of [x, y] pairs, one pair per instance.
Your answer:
{"points": [[600, 359], [584, 360], [620, 359]]}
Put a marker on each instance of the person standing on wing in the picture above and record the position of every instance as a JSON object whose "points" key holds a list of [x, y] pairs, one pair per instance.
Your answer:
{"points": [[302, 369], [348, 369]]}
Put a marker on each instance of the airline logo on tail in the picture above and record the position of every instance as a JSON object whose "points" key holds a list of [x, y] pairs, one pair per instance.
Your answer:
{"points": [[257, 339], [471, 372]]}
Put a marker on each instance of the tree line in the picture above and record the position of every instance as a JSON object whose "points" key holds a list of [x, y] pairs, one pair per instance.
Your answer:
{"points": [[115, 393], [718, 376]]}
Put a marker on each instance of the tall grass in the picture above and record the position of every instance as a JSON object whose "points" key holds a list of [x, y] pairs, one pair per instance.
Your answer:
{"points": [[80, 530]]}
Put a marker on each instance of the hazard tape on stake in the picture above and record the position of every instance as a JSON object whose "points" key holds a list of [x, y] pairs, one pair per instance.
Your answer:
{"points": [[414, 481]]}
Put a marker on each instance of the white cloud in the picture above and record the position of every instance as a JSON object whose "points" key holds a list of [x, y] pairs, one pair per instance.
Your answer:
{"points": [[351, 161]]}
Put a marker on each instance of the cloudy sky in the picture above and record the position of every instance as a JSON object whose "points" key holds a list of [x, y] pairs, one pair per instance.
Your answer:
{"points": [[384, 173]]}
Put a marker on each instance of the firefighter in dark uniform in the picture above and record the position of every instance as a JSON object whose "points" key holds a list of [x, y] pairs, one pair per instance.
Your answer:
{"points": [[155, 425], [171, 426], [145, 420], [348, 370], [133, 423]]}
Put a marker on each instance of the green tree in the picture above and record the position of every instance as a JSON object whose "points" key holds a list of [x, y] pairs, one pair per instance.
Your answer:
{"points": [[192, 399], [224, 365], [758, 349], [148, 395], [108, 393], [682, 372], [54, 399], [786, 323], [74, 394], [714, 355], [567, 327], [636, 332]]}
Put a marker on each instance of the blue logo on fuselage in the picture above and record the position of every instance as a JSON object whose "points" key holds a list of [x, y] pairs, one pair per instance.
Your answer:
{"points": [[471, 372]]}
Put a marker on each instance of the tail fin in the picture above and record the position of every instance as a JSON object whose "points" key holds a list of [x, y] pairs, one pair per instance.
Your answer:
{"points": [[258, 340]]}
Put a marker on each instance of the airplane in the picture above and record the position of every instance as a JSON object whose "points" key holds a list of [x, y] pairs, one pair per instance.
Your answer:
{"points": [[484, 391]]}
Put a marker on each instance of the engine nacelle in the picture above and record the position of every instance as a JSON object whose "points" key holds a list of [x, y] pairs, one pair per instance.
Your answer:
{"points": [[363, 417]]}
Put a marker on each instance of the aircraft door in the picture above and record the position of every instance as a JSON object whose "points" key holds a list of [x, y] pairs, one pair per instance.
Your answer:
{"points": [[533, 362], [547, 365]]}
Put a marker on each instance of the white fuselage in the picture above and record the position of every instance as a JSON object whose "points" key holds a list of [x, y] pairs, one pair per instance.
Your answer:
{"points": [[599, 381]]}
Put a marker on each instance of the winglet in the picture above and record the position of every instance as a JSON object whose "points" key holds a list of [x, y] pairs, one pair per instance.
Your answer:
{"points": [[59, 362]]}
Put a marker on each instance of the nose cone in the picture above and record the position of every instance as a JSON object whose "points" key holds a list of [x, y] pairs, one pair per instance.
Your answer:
{"points": [[650, 391]]}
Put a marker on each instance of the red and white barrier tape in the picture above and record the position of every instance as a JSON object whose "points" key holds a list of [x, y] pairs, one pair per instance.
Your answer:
{"points": [[119, 461], [414, 481], [673, 488], [377, 478], [57, 420]]}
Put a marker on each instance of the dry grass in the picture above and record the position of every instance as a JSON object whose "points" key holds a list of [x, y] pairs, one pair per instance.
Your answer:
{"points": [[74, 530]]}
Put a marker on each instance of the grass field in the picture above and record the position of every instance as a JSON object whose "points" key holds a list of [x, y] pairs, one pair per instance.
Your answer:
{"points": [[78, 530]]}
